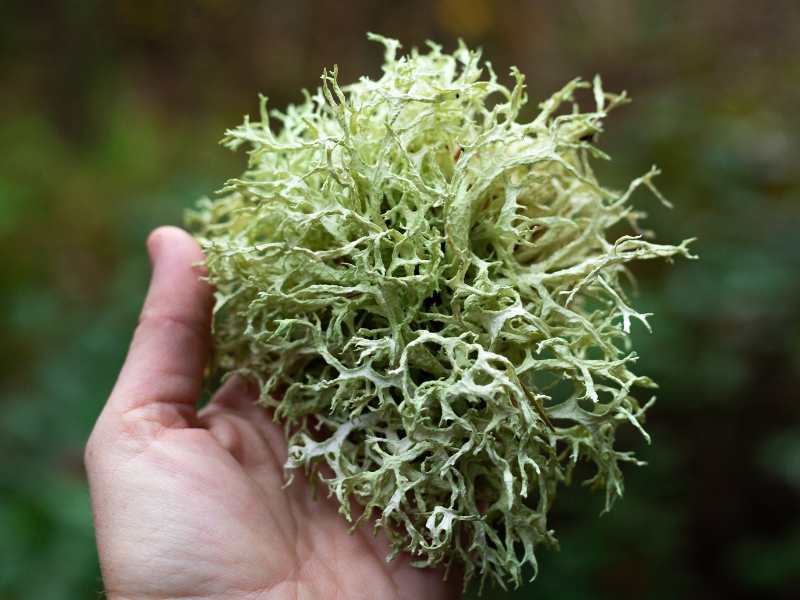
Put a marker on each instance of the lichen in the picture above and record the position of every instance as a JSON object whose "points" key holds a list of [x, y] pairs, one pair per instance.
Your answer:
{"points": [[424, 287]]}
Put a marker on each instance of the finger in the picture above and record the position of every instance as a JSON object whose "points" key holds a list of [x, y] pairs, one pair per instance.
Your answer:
{"points": [[238, 394], [236, 403], [170, 346]]}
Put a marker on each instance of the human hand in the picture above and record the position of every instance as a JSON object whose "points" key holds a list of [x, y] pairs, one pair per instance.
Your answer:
{"points": [[192, 505]]}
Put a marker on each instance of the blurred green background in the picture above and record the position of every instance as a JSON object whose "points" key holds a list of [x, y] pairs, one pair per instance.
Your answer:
{"points": [[111, 113]]}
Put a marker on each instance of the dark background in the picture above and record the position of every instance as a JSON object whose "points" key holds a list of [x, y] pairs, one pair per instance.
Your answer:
{"points": [[111, 113]]}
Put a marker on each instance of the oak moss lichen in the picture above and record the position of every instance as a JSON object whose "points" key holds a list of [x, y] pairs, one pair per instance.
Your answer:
{"points": [[424, 288]]}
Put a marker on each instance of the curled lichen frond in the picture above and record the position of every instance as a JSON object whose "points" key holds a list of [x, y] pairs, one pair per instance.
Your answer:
{"points": [[424, 287]]}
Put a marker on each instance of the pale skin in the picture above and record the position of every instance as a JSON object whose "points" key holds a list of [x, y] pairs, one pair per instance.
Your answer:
{"points": [[193, 505]]}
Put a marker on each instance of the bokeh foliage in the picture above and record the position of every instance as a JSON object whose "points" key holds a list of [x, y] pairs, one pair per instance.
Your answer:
{"points": [[111, 114]]}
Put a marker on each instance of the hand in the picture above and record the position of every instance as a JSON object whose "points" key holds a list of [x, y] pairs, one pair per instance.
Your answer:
{"points": [[192, 505]]}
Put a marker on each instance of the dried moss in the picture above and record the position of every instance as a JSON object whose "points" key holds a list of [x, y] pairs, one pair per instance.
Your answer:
{"points": [[424, 287]]}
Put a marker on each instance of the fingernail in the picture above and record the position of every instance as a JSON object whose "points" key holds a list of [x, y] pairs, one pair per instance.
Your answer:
{"points": [[153, 241]]}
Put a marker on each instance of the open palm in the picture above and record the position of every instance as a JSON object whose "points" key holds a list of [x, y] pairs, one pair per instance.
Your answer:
{"points": [[192, 505]]}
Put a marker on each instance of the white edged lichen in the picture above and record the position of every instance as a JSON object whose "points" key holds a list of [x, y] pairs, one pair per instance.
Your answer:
{"points": [[424, 287]]}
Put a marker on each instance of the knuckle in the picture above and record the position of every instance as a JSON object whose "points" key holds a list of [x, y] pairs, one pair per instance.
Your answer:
{"points": [[90, 449], [179, 325]]}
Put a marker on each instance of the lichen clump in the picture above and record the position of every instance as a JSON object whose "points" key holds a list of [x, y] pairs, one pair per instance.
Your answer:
{"points": [[424, 287]]}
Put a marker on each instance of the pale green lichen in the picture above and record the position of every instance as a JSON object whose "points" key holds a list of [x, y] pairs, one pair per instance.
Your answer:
{"points": [[424, 288]]}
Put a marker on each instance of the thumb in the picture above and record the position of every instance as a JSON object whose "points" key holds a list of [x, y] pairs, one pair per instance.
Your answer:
{"points": [[169, 350]]}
